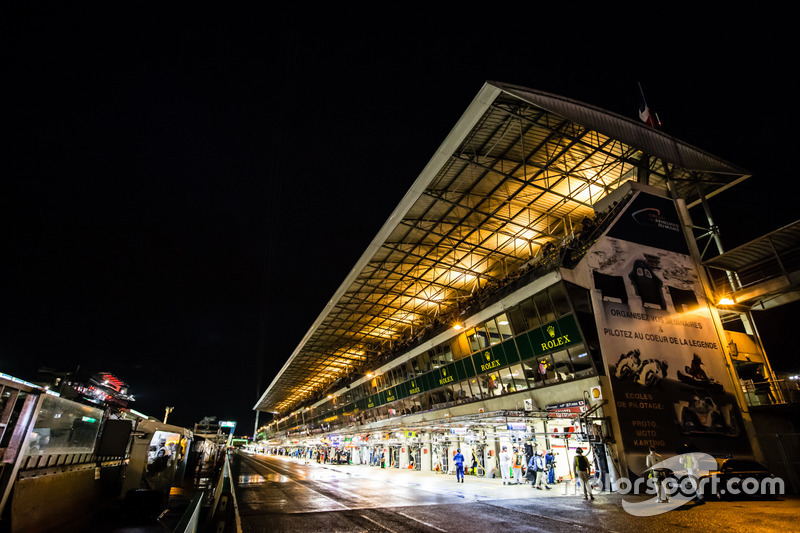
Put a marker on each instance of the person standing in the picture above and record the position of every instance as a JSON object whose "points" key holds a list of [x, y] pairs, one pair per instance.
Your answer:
{"points": [[539, 471], [550, 466], [657, 475], [582, 473], [517, 461], [505, 466], [458, 460], [690, 463]]}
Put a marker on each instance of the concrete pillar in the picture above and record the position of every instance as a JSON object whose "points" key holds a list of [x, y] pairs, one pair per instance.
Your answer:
{"points": [[490, 451], [426, 453], [404, 450]]}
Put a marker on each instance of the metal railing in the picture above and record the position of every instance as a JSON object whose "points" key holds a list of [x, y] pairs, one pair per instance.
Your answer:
{"points": [[190, 521], [771, 392]]}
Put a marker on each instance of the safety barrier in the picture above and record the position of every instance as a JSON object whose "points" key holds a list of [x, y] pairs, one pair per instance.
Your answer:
{"points": [[222, 509], [190, 521]]}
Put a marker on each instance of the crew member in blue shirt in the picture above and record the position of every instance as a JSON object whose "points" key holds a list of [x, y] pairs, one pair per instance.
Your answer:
{"points": [[458, 460]]}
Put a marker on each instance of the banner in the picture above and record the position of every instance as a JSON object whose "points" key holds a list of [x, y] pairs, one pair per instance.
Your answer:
{"points": [[661, 350]]}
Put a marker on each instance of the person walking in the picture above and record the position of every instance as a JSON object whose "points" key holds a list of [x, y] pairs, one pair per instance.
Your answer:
{"points": [[505, 466], [550, 466], [582, 473], [517, 462], [539, 471], [657, 475], [458, 460]]}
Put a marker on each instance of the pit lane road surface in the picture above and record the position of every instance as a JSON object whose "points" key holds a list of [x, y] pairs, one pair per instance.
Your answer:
{"points": [[276, 494]]}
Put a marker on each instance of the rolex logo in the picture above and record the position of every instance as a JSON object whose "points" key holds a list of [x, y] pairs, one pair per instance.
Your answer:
{"points": [[551, 330], [488, 356], [444, 372]]}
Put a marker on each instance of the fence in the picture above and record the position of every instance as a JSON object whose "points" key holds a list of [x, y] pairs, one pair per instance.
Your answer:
{"points": [[782, 457]]}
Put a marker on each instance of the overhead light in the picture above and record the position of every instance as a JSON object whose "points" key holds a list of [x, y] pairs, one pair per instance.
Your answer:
{"points": [[726, 301], [503, 323], [457, 327]]}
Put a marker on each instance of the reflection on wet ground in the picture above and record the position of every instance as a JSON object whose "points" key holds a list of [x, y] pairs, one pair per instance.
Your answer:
{"points": [[249, 479]]}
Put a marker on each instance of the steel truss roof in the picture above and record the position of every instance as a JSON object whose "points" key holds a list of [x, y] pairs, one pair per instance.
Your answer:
{"points": [[520, 169]]}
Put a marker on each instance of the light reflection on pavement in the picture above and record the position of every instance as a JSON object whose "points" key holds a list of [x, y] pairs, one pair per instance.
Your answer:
{"points": [[313, 497]]}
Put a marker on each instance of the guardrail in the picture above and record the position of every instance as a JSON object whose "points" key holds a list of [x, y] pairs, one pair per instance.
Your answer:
{"points": [[190, 521], [221, 512], [771, 392]]}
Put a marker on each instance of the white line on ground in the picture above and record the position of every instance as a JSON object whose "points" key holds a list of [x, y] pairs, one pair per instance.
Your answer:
{"points": [[421, 522], [377, 523]]}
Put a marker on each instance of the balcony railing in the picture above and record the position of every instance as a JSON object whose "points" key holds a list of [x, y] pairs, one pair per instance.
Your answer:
{"points": [[771, 392]]}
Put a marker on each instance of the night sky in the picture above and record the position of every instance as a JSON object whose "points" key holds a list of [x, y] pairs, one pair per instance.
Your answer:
{"points": [[184, 191]]}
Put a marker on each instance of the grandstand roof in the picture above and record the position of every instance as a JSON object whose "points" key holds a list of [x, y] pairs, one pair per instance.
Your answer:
{"points": [[519, 169]]}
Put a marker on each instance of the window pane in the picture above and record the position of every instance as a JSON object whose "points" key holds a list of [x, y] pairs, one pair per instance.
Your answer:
{"points": [[581, 361], [517, 373], [530, 368], [503, 327], [544, 307], [460, 346], [580, 299], [462, 391], [494, 334], [478, 339], [446, 355], [562, 366], [518, 322], [558, 295], [545, 369], [64, 426], [424, 362], [530, 314], [493, 384]]}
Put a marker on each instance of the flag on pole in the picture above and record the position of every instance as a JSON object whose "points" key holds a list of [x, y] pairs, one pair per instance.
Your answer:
{"points": [[645, 114]]}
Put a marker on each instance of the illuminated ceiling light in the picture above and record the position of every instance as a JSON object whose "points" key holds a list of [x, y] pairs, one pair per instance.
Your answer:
{"points": [[726, 301], [457, 327], [503, 323]]}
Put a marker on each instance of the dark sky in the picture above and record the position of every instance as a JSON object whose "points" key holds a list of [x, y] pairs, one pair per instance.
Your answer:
{"points": [[183, 191]]}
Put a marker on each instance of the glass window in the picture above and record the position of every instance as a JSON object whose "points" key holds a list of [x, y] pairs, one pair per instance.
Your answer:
{"points": [[490, 385], [424, 362], [434, 359], [503, 327], [530, 369], [581, 360], [544, 307], [558, 295], [477, 339], [493, 332], [410, 372], [545, 369], [64, 426], [461, 391], [562, 366], [459, 345], [446, 355], [517, 319], [531, 315], [517, 374], [580, 299]]}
